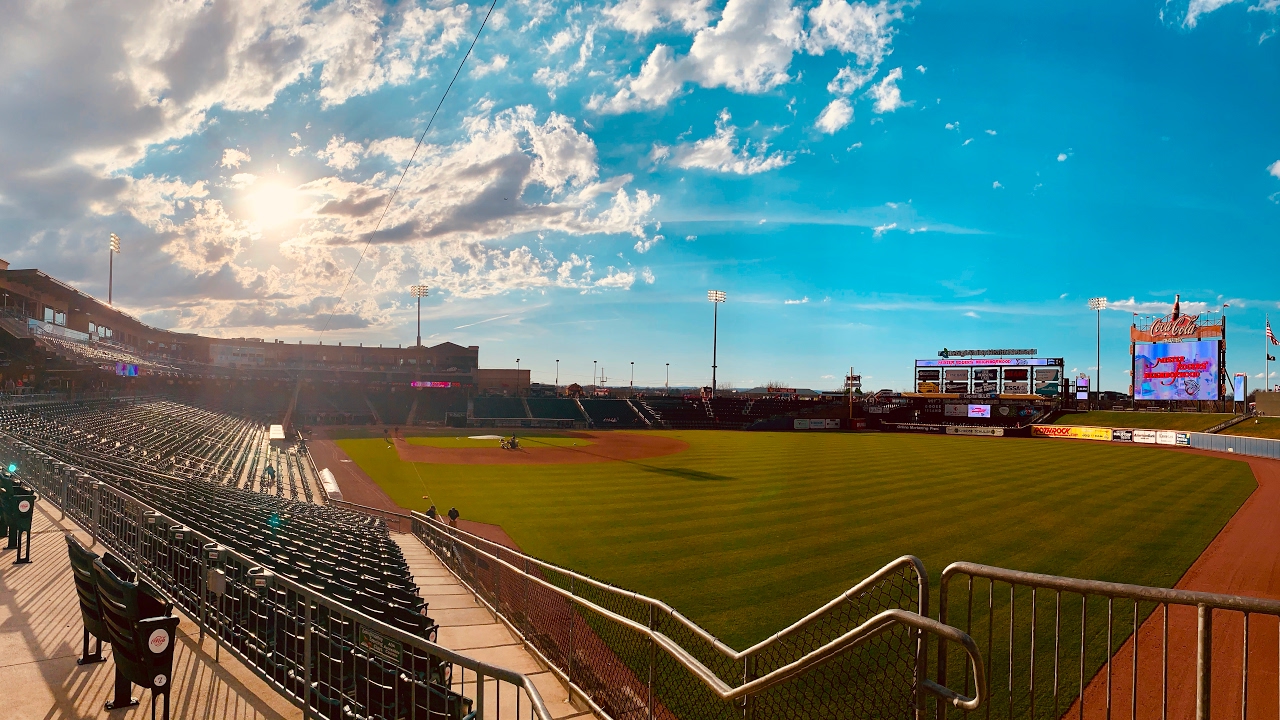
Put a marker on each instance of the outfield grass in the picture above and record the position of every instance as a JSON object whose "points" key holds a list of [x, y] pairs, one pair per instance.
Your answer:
{"points": [[1192, 422], [463, 441], [1256, 427], [746, 532]]}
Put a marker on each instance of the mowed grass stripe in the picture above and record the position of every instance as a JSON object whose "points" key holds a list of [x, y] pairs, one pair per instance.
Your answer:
{"points": [[798, 518], [1193, 422]]}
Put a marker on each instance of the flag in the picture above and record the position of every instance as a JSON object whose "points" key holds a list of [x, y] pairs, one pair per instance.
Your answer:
{"points": [[1271, 337]]}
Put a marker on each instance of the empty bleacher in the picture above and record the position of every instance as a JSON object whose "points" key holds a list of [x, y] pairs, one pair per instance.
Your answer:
{"points": [[612, 414], [498, 407], [555, 409]]}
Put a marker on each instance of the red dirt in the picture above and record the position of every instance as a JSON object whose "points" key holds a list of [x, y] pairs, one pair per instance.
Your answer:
{"points": [[1242, 560], [606, 447]]}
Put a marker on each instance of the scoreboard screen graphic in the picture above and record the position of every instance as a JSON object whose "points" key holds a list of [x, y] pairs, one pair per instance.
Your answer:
{"points": [[990, 376], [1176, 371]]}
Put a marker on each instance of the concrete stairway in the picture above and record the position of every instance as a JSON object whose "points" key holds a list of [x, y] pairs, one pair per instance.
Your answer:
{"points": [[468, 627]]}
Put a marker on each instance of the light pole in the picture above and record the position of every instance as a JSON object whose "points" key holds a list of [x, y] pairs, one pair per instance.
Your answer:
{"points": [[593, 375], [557, 378], [633, 377], [668, 379], [715, 297], [517, 377], [419, 292], [111, 263], [1099, 304]]}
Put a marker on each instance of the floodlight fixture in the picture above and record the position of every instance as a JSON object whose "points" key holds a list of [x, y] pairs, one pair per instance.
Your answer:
{"points": [[111, 263], [1098, 304], [715, 297], [419, 292]]}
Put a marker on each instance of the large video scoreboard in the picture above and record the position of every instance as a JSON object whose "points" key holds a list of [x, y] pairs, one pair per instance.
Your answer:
{"points": [[990, 376]]}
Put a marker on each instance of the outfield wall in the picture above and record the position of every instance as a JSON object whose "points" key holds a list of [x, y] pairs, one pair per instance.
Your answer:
{"points": [[1240, 445]]}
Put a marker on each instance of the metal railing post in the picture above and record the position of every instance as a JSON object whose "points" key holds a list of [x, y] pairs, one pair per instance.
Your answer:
{"points": [[479, 696], [652, 659], [1204, 660], [96, 499], [306, 660], [569, 605], [63, 508]]}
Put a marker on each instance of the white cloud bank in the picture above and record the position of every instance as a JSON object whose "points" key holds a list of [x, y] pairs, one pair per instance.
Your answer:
{"points": [[721, 152]]}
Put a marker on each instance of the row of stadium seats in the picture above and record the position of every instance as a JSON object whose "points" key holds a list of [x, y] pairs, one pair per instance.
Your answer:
{"points": [[182, 441], [346, 555]]}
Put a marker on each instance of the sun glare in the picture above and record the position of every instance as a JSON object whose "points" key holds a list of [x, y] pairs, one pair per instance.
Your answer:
{"points": [[271, 204]]}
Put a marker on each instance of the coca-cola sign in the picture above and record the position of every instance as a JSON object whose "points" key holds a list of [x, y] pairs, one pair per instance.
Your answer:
{"points": [[1169, 327]]}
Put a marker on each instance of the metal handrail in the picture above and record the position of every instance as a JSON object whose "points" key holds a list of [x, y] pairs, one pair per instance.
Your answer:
{"points": [[1205, 604], [1169, 596], [480, 668], [859, 635], [728, 652]]}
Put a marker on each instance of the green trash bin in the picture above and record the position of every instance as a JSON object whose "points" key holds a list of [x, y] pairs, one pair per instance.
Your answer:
{"points": [[24, 505]]}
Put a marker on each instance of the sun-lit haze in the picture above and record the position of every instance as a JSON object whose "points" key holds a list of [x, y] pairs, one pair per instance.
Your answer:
{"points": [[868, 182]]}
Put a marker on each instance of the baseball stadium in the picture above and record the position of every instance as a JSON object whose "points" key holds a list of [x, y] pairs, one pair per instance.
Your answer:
{"points": [[353, 521], [402, 533]]}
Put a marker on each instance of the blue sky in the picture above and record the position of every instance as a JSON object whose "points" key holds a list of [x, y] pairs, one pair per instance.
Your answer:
{"points": [[869, 183]]}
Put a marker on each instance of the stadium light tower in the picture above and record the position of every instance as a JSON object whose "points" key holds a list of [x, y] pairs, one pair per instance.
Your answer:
{"points": [[668, 379], [1098, 304], [633, 377], [111, 263], [715, 297], [419, 292]]}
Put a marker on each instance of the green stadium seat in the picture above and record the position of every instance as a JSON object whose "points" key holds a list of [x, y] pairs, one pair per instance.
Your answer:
{"points": [[142, 631], [87, 589]]}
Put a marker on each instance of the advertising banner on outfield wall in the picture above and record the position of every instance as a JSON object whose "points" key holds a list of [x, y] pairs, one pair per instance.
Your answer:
{"points": [[1078, 432], [1145, 436], [983, 431], [1120, 435]]}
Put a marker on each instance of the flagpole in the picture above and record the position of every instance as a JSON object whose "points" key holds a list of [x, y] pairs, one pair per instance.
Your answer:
{"points": [[1266, 348]]}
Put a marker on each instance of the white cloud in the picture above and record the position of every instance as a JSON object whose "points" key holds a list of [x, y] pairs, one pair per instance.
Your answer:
{"points": [[644, 244], [232, 158], [954, 126], [990, 132], [1062, 157], [835, 116], [721, 152], [801, 301], [340, 154], [647, 275], [480, 68], [1133, 305], [966, 142], [750, 48], [1196, 8], [922, 69], [853, 28], [996, 185], [880, 230], [1274, 169], [641, 17], [886, 94], [243, 180], [847, 81], [972, 314]]}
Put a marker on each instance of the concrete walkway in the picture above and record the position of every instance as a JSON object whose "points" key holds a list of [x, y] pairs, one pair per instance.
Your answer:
{"points": [[40, 639], [468, 627]]}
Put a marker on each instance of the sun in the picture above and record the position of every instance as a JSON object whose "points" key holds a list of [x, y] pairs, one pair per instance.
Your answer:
{"points": [[271, 204]]}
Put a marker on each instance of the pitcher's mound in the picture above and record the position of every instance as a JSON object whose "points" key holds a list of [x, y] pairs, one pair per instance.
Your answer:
{"points": [[604, 447]]}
